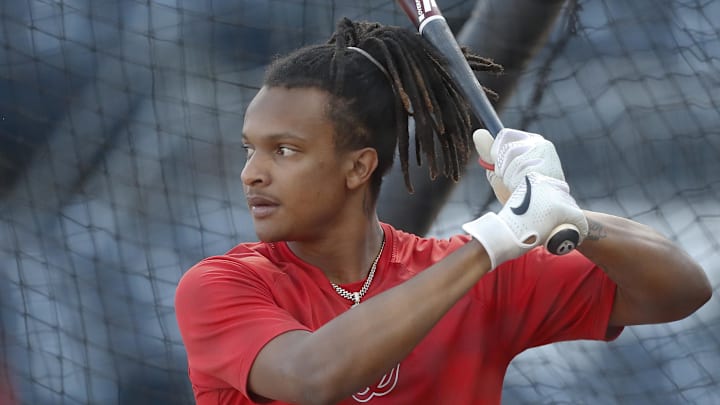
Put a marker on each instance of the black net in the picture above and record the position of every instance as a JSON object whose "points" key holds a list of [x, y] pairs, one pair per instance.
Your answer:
{"points": [[120, 162]]}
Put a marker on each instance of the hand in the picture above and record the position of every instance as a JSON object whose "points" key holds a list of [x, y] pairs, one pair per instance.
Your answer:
{"points": [[515, 154], [532, 215]]}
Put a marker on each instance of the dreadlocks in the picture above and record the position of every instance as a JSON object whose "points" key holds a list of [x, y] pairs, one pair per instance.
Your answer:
{"points": [[371, 107]]}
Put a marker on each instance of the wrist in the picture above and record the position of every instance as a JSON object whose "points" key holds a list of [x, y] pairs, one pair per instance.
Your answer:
{"points": [[497, 238]]}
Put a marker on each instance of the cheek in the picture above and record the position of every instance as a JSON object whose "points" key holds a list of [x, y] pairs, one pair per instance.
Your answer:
{"points": [[322, 185], [299, 183]]}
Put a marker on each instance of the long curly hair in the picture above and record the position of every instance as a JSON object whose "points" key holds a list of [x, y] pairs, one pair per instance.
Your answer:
{"points": [[371, 107]]}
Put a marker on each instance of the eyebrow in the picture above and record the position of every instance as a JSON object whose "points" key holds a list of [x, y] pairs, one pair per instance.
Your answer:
{"points": [[278, 136]]}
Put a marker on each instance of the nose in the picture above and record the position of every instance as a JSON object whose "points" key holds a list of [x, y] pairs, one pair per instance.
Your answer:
{"points": [[254, 172]]}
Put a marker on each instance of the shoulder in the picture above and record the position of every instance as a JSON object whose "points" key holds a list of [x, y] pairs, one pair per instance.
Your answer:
{"points": [[542, 298], [241, 258], [245, 264]]}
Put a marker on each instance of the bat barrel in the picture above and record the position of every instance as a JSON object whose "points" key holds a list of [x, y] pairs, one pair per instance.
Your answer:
{"points": [[437, 31]]}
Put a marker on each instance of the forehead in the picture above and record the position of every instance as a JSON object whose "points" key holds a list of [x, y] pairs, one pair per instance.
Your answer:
{"points": [[301, 111]]}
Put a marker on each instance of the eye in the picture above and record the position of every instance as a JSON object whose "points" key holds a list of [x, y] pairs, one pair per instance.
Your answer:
{"points": [[285, 151], [248, 149]]}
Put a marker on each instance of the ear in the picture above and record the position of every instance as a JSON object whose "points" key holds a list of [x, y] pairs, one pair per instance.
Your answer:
{"points": [[361, 164]]}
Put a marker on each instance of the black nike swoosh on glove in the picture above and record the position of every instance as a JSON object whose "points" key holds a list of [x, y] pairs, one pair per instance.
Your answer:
{"points": [[525, 204]]}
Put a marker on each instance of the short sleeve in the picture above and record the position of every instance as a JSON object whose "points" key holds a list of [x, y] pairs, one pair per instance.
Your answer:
{"points": [[226, 315], [542, 298]]}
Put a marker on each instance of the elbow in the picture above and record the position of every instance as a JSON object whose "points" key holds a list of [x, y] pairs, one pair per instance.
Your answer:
{"points": [[294, 368], [680, 298], [705, 291], [318, 392], [317, 386], [698, 291]]}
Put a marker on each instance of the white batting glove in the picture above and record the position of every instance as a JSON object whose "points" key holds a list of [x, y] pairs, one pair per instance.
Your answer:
{"points": [[535, 210], [515, 154]]}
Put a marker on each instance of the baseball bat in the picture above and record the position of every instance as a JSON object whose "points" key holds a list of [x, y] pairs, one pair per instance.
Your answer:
{"points": [[431, 24]]}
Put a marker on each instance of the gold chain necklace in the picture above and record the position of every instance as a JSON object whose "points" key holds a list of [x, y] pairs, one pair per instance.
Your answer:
{"points": [[355, 297]]}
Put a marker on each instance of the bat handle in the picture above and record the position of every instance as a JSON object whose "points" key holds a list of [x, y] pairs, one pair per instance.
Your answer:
{"points": [[563, 239]]}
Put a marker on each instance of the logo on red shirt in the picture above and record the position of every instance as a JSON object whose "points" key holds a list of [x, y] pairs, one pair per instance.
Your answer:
{"points": [[383, 387]]}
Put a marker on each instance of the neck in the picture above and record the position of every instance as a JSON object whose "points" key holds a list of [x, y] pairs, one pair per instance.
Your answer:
{"points": [[344, 255]]}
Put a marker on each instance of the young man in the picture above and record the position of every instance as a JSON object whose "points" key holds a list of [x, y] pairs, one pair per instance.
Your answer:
{"points": [[333, 306]]}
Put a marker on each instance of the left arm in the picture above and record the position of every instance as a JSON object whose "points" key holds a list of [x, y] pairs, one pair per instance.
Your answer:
{"points": [[656, 280]]}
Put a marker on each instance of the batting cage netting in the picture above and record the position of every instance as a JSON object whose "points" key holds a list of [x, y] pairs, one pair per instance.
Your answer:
{"points": [[121, 155]]}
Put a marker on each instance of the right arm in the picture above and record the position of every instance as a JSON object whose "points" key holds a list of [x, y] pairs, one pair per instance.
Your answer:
{"points": [[355, 349]]}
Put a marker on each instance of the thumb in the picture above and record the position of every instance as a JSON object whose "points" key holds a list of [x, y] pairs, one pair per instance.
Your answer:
{"points": [[483, 142], [501, 191]]}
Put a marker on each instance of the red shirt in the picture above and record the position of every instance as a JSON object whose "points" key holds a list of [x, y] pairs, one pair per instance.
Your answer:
{"points": [[228, 307]]}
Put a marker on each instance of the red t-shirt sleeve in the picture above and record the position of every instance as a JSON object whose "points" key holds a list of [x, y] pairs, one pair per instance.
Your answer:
{"points": [[226, 314], [541, 298]]}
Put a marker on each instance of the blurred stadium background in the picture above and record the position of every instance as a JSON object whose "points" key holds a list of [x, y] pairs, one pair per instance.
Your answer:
{"points": [[120, 160]]}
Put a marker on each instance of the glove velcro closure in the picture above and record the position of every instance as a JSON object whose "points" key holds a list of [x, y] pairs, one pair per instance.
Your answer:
{"points": [[498, 239]]}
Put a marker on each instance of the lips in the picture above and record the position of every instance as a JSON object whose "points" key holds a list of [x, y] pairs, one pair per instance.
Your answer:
{"points": [[261, 206]]}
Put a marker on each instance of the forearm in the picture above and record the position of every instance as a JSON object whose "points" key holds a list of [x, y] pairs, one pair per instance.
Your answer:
{"points": [[657, 281], [359, 346]]}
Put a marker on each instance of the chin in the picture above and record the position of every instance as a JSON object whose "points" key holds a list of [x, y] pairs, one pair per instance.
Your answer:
{"points": [[265, 236], [268, 233]]}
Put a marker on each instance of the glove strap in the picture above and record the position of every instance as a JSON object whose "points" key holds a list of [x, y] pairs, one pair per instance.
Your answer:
{"points": [[497, 238]]}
